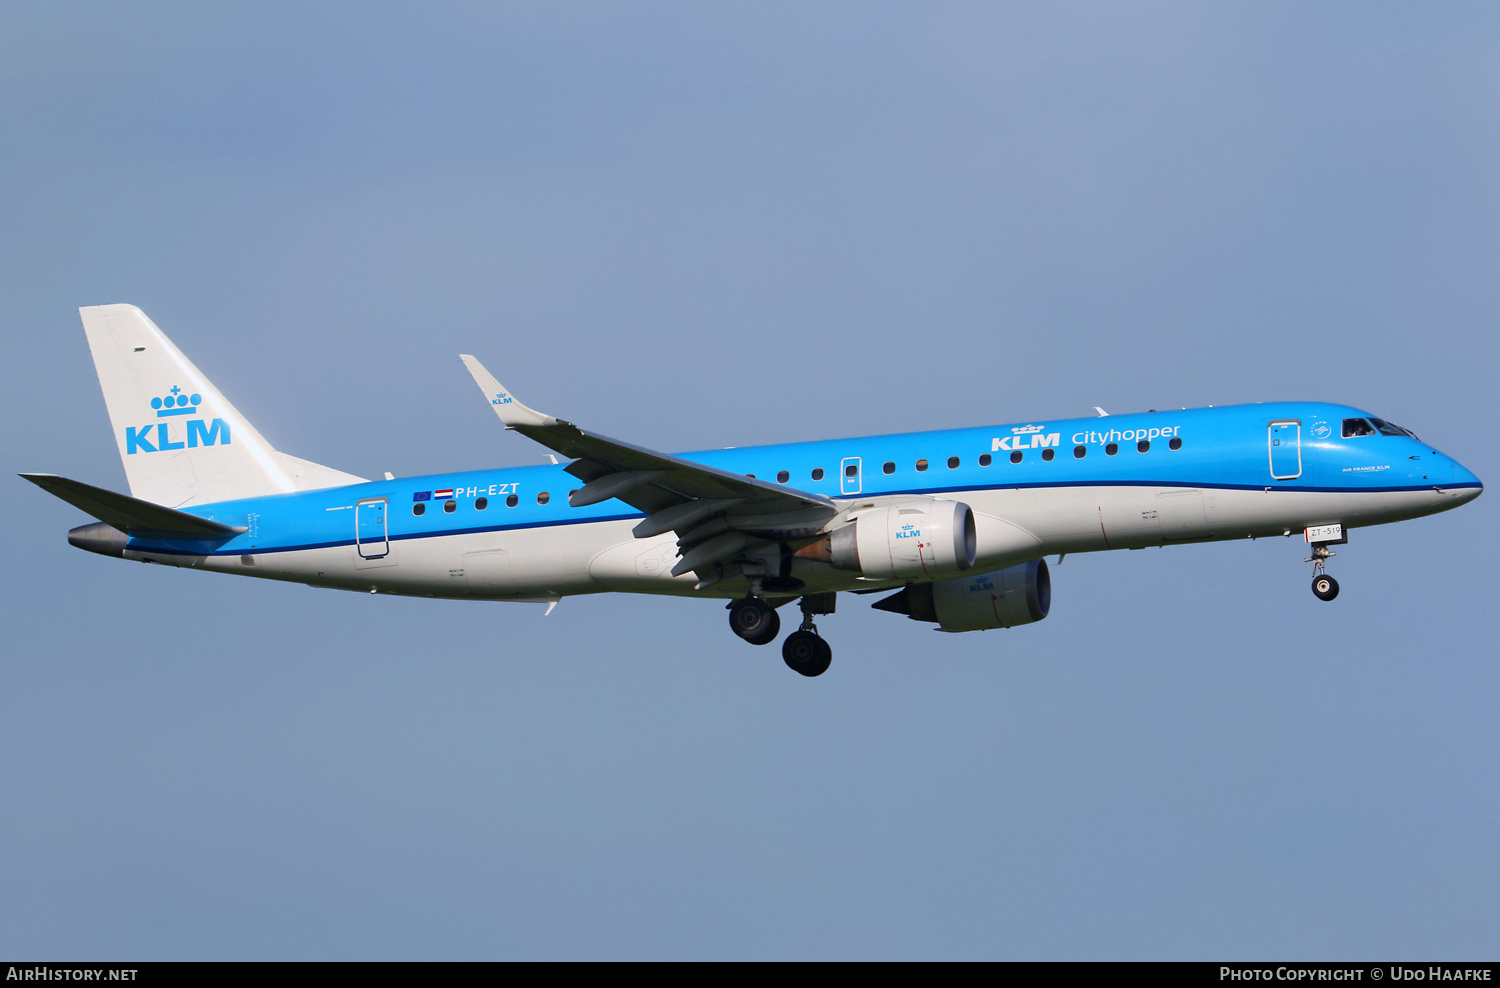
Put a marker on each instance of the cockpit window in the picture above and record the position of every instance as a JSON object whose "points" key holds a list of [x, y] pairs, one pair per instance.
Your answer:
{"points": [[1357, 427], [1391, 429]]}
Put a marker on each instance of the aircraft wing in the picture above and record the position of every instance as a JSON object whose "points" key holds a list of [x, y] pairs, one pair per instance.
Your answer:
{"points": [[716, 514]]}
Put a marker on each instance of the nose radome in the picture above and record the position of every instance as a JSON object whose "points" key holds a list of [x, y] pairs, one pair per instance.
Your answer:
{"points": [[1463, 484], [1463, 495]]}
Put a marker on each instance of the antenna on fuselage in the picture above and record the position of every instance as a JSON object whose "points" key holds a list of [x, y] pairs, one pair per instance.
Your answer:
{"points": [[1102, 413]]}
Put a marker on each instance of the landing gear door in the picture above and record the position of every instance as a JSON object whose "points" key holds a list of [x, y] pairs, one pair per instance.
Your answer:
{"points": [[370, 534], [1285, 441], [849, 481]]}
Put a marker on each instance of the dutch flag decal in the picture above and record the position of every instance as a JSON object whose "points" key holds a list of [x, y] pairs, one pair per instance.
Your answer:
{"points": [[443, 493]]}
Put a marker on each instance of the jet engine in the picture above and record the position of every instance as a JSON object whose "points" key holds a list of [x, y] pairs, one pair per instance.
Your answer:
{"points": [[917, 540], [1003, 599]]}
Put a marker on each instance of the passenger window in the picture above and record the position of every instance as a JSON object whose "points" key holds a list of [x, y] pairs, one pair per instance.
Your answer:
{"points": [[1079, 452], [1144, 446], [921, 466], [817, 473], [888, 468], [570, 495], [1015, 457], [1357, 427], [851, 470], [480, 503], [1048, 453], [750, 475], [419, 509], [1111, 449], [783, 477], [543, 497], [512, 501], [952, 463], [450, 506], [1175, 443], [985, 459]]}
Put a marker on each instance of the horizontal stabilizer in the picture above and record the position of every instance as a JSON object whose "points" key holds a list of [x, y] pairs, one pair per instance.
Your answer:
{"points": [[134, 517]]}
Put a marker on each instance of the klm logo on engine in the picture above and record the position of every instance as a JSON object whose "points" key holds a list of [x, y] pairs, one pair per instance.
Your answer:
{"points": [[156, 437], [1024, 437], [909, 532]]}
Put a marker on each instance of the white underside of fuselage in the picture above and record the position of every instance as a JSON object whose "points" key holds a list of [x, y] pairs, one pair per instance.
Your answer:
{"points": [[1014, 526]]}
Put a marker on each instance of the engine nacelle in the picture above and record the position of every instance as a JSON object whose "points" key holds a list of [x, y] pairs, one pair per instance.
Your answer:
{"points": [[1003, 599], [917, 540]]}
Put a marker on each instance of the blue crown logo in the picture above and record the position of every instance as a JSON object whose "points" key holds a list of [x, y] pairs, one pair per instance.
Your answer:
{"points": [[176, 403]]}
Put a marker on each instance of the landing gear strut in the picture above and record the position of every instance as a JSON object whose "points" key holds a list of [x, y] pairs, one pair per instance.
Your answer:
{"points": [[804, 650], [1324, 587]]}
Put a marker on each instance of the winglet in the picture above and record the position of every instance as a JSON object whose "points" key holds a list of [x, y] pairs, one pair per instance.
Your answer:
{"points": [[511, 411]]}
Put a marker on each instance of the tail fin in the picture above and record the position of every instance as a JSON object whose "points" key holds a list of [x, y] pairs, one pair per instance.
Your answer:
{"points": [[181, 441]]}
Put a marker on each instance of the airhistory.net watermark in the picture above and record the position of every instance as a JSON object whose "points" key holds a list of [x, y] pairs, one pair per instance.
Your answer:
{"points": [[44, 972]]}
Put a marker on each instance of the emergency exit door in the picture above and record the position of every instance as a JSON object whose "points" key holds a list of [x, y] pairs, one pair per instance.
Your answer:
{"points": [[849, 480]]}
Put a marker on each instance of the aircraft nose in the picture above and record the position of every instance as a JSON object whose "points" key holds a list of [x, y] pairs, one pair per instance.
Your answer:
{"points": [[1462, 483]]}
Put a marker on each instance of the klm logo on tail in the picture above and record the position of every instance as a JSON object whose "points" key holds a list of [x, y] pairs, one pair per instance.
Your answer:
{"points": [[144, 440]]}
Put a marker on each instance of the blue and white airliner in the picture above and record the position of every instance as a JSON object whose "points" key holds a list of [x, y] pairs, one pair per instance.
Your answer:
{"points": [[955, 522]]}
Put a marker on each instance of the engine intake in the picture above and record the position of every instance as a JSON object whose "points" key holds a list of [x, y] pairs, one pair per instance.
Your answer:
{"points": [[1003, 599]]}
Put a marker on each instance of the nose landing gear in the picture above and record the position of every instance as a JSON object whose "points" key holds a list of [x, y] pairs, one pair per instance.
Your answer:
{"points": [[1324, 587]]}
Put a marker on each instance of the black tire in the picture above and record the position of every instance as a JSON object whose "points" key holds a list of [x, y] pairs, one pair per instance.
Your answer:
{"points": [[825, 659], [800, 650], [806, 653], [767, 636], [1325, 587], [754, 620]]}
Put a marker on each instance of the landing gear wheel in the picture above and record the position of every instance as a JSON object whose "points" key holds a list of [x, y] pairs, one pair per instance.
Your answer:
{"points": [[754, 620], [805, 652], [1325, 587]]}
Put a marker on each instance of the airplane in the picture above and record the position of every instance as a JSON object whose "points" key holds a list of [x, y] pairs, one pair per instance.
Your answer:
{"points": [[953, 525]]}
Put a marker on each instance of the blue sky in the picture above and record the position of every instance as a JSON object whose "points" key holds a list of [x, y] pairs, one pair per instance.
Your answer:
{"points": [[694, 226]]}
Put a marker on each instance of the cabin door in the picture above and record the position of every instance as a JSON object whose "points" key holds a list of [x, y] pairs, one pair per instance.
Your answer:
{"points": [[1285, 442], [370, 534]]}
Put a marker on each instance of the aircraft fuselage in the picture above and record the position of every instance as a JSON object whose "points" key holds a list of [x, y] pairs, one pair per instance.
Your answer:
{"points": [[1038, 488]]}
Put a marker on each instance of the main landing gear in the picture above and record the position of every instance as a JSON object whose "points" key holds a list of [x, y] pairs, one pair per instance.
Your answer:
{"points": [[754, 620], [804, 650], [1324, 587]]}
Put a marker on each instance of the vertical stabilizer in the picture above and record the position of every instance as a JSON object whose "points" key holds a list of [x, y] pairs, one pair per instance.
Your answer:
{"points": [[181, 441]]}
